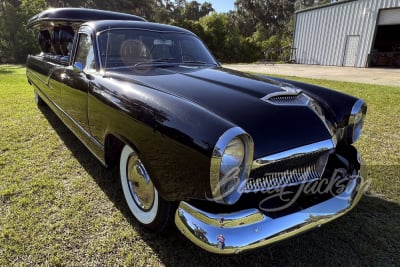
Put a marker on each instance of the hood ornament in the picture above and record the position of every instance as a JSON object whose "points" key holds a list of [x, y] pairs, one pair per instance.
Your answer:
{"points": [[290, 89], [289, 95]]}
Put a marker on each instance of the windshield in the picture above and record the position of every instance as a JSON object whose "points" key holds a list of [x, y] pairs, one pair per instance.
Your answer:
{"points": [[133, 48]]}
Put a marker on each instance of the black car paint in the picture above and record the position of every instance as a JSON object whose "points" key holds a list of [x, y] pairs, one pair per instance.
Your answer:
{"points": [[173, 116], [228, 95], [76, 16]]}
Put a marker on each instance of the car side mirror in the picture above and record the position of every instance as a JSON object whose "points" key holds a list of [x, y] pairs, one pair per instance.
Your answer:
{"points": [[78, 67]]}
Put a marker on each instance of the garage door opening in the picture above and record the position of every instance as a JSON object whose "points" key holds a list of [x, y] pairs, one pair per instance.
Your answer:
{"points": [[386, 49]]}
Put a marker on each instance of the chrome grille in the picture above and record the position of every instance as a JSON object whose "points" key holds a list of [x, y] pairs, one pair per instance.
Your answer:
{"points": [[297, 170]]}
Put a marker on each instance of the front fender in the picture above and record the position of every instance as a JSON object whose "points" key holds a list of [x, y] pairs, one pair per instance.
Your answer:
{"points": [[174, 137]]}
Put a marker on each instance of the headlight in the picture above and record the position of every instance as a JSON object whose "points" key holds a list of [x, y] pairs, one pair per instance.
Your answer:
{"points": [[233, 156], [356, 121], [230, 165]]}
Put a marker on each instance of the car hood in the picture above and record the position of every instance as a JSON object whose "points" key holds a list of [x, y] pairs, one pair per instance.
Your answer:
{"points": [[236, 97]]}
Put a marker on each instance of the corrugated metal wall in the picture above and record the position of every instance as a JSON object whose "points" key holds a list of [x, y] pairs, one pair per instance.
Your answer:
{"points": [[321, 34]]}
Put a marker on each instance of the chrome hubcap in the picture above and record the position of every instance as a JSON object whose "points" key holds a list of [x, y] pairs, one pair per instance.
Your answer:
{"points": [[140, 185]]}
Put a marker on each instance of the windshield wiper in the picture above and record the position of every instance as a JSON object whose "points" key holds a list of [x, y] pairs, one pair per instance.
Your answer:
{"points": [[158, 62], [164, 59], [198, 62]]}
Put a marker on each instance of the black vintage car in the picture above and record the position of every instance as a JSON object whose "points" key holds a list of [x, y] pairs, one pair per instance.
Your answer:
{"points": [[240, 160]]}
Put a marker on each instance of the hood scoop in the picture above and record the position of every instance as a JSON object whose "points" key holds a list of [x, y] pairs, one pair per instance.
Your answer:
{"points": [[292, 96], [289, 96]]}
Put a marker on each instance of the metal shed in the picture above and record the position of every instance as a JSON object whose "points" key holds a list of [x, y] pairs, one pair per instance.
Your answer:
{"points": [[356, 33]]}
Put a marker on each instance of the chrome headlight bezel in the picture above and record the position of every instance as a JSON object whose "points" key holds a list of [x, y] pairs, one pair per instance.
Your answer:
{"points": [[227, 184], [356, 121]]}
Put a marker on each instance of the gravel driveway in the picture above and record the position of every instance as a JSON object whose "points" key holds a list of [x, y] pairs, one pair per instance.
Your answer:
{"points": [[380, 76]]}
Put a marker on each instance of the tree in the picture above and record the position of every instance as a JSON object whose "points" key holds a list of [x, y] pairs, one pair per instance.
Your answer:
{"points": [[8, 27], [301, 4], [16, 41], [266, 24], [26, 41], [215, 28], [179, 10], [270, 14], [241, 35], [192, 11], [205, 9]]}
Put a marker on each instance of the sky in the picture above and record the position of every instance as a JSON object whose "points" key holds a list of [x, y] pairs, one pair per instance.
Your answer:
{"points": [[221, 5]]}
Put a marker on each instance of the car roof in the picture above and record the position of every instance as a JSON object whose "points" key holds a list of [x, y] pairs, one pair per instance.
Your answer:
{"points": [[99, 20], [102, 25], [74, 16]]}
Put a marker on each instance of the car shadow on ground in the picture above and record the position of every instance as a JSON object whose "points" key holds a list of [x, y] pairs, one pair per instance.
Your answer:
{"points": [[5, 70], [369, 235]]}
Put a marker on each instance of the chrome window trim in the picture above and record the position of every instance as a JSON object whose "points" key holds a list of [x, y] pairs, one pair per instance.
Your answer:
{"points": [[98, 33]]}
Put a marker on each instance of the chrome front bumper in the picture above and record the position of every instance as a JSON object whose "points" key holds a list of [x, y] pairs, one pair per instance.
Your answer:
{"points": [[250, 229]]}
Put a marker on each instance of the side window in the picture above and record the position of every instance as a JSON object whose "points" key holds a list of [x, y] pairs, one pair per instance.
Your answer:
{"points": [[85, 53]]}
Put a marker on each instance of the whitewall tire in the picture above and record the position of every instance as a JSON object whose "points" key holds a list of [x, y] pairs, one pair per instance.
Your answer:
{"points": [[38, 100], [140, 194]]}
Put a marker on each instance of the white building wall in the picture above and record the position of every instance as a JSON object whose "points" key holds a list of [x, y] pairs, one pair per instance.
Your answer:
{"points": [[320, 34]]}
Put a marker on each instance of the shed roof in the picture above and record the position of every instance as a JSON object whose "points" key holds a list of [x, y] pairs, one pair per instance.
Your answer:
{"points": [[324, 6]]}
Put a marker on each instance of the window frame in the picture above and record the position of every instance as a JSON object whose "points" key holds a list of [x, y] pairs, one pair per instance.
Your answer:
{"points": [[87, 33]]}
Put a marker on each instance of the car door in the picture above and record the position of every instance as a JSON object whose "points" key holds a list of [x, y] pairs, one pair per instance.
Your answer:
{"points": [[77, 77]]}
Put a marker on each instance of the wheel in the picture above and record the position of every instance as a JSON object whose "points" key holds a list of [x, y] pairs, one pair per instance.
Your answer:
{"points": [[140, 194], [38, 100]]}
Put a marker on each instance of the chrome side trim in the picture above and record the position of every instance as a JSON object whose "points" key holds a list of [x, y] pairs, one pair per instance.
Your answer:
{"points": [[293, 153], [249, 229], [316, 108]]}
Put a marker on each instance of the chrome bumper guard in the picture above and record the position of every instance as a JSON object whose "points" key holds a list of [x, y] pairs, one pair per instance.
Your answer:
{"points": [[249, 229]]}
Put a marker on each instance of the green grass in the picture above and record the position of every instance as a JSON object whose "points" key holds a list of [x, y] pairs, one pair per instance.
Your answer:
{"points": [[59, 206]]}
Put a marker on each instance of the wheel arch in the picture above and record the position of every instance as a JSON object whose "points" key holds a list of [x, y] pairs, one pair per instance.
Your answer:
{"points": [[113, 147], [174, 138]]}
